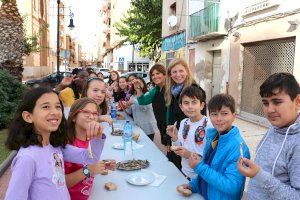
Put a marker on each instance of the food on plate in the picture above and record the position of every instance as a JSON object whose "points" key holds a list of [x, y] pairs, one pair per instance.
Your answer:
{"points": [[132, 164], [110, 186], [183, 191], [120, 117], [117, 132]]}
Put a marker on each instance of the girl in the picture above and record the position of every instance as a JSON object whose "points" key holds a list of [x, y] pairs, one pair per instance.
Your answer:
{"points": [[95, 89], [113, 78], [123, 94], [37, 132], [82, 112], [143, 115], [100, 75]]}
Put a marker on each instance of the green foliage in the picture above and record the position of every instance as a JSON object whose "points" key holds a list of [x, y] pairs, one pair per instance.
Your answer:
{"points": [[11, 91], [142, 25], [32, 43]]}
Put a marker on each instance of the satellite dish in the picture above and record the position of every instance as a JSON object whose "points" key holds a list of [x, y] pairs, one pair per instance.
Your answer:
{"points": [[172, 21]]}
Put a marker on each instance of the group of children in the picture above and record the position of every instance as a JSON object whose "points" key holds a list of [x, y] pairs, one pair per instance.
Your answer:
{"points": [[61, 157]]}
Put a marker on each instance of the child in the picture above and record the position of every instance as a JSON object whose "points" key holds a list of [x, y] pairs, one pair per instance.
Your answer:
{"points": [[37, 132], [275, 172], [143, 116], [218, 175], [191, 134], [82, 112], [95, 88]]}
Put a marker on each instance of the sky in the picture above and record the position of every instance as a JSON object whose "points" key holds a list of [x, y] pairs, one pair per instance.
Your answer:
{"points": [[86, 20]]}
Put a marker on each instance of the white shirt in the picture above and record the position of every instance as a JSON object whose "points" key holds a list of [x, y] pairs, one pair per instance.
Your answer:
{"points": [[189, 143]]}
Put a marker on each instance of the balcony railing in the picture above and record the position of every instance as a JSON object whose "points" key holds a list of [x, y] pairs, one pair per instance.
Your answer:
{"points": [[204, 21]]}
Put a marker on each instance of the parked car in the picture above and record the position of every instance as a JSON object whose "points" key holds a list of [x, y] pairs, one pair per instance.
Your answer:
{"points": [[50, 80], [144, 75]]}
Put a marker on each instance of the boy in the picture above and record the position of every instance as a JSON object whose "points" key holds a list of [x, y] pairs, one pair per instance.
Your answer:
{"points": [[191, 135], [275, 174], [218, 176]]}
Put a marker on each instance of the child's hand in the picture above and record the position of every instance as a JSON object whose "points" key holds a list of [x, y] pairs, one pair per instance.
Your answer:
{"points": [[110, 164], [248, 167], [106, 118], [128, 104], [186, 186], [183, 152], [194, 160], [67, 80], [172, 132], [94, 129], [96, 168]]}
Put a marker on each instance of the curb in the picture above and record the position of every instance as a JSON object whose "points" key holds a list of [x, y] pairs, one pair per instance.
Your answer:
{"points": [[6, 163]]}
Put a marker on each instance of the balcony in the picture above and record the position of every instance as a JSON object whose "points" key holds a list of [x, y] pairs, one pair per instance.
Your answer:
{"points": [[204, 24]]}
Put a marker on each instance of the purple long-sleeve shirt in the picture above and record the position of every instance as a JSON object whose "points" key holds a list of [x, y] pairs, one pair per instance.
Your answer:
{"points": [[38, 172]]}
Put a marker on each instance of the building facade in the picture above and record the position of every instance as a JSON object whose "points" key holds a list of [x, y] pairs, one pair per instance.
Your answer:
{"points": [[36, 18], [115, 53], [233, 48]]}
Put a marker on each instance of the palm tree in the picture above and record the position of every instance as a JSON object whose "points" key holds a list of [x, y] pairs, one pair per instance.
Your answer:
{"points": [[11, 38]]}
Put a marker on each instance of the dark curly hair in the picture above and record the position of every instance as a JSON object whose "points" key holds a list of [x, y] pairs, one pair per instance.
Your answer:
{"points": [[22, 134]]}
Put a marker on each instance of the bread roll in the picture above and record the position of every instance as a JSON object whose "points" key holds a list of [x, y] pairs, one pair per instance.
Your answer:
{"points": [[183, 191], [110, 186], [104, 172], [174, 148]]}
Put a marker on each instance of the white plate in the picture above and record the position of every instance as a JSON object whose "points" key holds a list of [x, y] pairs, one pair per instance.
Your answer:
{"points": [[140, 178], [118, 146]]}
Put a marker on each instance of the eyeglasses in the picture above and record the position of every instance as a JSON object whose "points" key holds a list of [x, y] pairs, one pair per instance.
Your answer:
{"points": [[88, 113]]}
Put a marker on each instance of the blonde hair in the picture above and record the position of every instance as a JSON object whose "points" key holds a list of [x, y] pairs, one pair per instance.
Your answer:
{"points": [[169, 81]]}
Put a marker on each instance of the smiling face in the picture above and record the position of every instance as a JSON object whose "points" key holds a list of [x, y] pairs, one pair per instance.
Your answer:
{"points": [[280, 110], [191, 107], [113, 76], [96, 90], [158, 78], [122, 84], [84, 117], [222, 119], [46, 115], [178, 74]]}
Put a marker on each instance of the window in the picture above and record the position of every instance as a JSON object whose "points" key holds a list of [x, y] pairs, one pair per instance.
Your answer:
{"points": [[170, 57], [173, 9]]}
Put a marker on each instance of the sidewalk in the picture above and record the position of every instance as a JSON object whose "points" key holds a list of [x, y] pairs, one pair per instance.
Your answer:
{"points": [[252, 134]]}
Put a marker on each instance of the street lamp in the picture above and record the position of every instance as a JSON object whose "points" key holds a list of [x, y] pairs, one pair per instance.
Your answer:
{"points": [[71, 26]]}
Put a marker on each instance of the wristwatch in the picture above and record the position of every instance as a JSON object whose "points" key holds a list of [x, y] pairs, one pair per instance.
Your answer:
{"points": [[86, 171]]}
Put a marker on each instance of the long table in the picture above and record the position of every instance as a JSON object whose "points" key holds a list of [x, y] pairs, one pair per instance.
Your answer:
{"points": [[158, 164]]}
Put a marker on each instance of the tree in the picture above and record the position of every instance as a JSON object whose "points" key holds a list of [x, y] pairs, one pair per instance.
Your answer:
{"points": [[142, 25], [11, 39]]}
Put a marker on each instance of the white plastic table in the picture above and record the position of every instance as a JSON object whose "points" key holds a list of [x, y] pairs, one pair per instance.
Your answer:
{"points": [[158, 164]]}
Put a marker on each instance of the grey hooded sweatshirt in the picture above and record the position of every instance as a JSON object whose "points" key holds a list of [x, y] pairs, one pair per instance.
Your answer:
{"points": [[278, 156]]}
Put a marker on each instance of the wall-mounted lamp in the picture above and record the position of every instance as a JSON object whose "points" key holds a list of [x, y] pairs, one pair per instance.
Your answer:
{"points": [[236, 34]]}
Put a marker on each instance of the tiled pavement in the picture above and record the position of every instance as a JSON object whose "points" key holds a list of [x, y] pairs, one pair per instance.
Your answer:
{"points": [[252, 134]]}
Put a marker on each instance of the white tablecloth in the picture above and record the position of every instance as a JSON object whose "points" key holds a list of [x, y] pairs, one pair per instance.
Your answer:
{"points": [[158, 164]]}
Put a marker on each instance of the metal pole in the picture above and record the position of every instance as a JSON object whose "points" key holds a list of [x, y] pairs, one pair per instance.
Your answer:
{"points": [[133, 57], [57, 44]]}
